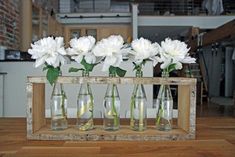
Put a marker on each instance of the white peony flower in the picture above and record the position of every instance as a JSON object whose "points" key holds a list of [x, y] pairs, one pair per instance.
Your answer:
{"points": [[81, 47], [111, 49], [174, 52], [48, 50], [143, 49]]}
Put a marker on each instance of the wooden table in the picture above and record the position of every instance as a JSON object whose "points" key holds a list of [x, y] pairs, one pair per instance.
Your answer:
{"points": [[215, 138]]}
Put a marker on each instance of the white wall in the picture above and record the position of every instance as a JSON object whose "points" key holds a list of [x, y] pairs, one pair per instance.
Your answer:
{"points": [[15, 87]]}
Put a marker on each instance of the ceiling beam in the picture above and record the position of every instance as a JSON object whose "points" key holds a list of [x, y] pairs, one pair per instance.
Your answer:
{"points": [[226, 31]]}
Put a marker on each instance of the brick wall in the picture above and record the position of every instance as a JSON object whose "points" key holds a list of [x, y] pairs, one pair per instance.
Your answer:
{"points": [[9, 23]]}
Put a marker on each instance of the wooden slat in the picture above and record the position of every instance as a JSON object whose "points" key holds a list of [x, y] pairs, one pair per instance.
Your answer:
{"points": [[38, 107], [192, 36], [184, 107], [220, 33], [125, 133], [118, 80]]}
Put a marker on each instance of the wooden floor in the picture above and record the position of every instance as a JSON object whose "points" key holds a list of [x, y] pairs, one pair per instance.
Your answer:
{"points": [[215, 138]]}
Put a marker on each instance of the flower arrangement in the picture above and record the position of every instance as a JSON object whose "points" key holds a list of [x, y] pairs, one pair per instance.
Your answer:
{"points": [[143, 50], [49, 51], [111, 50], [172, 54], [80, 51]]}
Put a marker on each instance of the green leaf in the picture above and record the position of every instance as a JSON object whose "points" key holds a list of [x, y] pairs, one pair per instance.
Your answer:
{"points": [[120, 72], [74, 69], [112, 70], [171, 67], [52, 74], [138, 67], [87, 66], [135, 67]]}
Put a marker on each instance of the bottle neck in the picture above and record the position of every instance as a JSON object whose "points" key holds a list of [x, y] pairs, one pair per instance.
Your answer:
{"points": [[60, 73], [139, 73]]}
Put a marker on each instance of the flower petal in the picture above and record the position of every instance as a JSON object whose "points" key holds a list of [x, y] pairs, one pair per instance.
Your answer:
{"points": [[165, 64], [188, 60], [90, 58], [77, 58], [40, 61], [48, 50], [178, 66]]}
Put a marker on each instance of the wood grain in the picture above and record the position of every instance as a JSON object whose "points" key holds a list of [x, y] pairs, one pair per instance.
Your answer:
{"points": [[215, 138], [38, 106], [184, 107]]}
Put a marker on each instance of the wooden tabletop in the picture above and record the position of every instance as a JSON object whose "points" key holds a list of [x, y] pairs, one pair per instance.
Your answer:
{"points": [[215, 138]]}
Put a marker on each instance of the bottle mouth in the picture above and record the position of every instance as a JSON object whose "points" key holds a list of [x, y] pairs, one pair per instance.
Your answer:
{"points": [[112, 75], [139, 73], [85, 73], [165, 74]]}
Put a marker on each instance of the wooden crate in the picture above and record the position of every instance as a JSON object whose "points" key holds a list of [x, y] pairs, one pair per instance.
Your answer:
{"points": [[38, 129]]}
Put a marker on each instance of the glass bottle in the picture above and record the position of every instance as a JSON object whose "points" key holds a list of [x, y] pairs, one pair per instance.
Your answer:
{"points": [[111, 111], [58, 107], [138, 111], [85, 106], [165, 106]]}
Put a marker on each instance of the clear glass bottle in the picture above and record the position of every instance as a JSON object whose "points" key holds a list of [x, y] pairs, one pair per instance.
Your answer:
{"points": [[85, 106], [165, 106], [138, 110], [58, 107], [111, 111]]}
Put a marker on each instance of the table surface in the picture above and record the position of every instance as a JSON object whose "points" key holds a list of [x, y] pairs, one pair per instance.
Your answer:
{"points": [[215, 137]]}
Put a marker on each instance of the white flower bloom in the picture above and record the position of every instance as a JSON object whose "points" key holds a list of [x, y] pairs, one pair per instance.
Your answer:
{"points": [[111, 49], [144, 49], [48, 50], [174, 52], [81, 47]]}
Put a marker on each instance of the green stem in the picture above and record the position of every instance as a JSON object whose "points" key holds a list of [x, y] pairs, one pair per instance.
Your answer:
{"points": [[62, 105], [132, 121], [114, 111], [92, 101], [166, 70], [161, 112], [53, 90]]}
